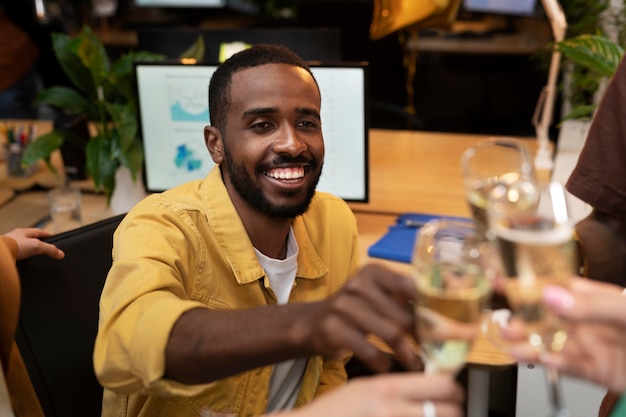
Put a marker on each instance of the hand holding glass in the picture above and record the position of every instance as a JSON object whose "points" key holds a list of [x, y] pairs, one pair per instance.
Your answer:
{"points": [[452, 292], [536, 248]]}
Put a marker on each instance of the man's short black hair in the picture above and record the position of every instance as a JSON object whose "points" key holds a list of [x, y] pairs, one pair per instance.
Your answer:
{"points": [[261, 54]]}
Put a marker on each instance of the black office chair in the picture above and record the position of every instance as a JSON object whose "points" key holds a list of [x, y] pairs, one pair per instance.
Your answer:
{"points": [[59, 319]]}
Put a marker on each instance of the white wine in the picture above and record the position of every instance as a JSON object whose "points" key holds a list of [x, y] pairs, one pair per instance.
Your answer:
{"points": [[446, 356], [477, 198], [448, 321], [547, 331], [536, 252], [479, 193]]}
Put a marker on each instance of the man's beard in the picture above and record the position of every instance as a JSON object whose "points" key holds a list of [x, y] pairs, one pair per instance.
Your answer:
{"points": [[254, 196]]}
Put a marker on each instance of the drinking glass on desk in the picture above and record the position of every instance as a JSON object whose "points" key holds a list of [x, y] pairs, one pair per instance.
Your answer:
{"points": [[492, 162], [452, 292], [536, 248], [65, 208]]}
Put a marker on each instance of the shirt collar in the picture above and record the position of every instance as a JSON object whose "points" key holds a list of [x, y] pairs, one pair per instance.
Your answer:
{"points": [[234, 241]]}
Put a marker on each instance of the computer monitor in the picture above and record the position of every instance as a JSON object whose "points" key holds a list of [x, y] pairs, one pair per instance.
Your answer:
{"points": [[508, 7], [173, 110]]}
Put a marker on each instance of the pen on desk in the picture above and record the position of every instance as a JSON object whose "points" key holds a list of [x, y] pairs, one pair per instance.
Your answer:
{"points": [[10, 135], [414, 223], [41, 223], [31, 133]]}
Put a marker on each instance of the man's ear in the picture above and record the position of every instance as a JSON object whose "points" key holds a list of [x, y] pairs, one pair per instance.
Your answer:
{"points": [[214, 143]]}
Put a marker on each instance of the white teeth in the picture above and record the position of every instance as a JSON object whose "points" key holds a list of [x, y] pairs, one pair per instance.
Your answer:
{"points": [[287, 174]]}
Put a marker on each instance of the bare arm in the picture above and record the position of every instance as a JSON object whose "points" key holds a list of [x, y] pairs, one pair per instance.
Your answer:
{"points": [[206, 345], [388, 395]]}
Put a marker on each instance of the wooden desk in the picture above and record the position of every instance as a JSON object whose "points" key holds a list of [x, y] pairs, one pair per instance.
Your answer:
{"points": [[410, 171], [41, 176], [19, 206], [413, 171]]}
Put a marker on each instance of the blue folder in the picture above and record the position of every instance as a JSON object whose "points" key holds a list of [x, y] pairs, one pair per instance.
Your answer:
{"points": [[397, 244]]}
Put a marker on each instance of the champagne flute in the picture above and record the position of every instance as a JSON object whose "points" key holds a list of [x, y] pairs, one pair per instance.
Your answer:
{"points": [[489, 163], [452, 292], [536, 248], [492, 162]]}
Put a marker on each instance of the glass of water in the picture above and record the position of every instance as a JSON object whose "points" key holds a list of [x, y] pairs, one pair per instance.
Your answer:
{"points": [[65, 208]]}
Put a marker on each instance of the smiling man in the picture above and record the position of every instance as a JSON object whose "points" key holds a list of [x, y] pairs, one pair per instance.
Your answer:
{"points": [[242, 293]]}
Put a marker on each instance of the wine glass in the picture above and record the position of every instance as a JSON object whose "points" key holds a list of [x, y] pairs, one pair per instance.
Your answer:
{"points": [[489, 163], [536, 248], [452, 292]]}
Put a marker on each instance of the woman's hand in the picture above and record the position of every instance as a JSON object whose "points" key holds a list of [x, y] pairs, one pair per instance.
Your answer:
{"points": [[29, 243], [596, 345]]}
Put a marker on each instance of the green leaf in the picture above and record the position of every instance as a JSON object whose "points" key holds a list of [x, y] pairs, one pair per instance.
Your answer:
{"points": [[100, 165], [72, 66], [64, 98], [92, 54], [126, 124], [123, 67], [594, 52], [582, 112], [42, 148], [196, 50], [133, 159], [122, 72]]}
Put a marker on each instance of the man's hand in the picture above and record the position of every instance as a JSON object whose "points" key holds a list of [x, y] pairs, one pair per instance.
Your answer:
{"points": [[377, 302]]}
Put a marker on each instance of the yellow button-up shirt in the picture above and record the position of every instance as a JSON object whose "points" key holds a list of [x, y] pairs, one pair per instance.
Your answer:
{"points": [[187, 248]]}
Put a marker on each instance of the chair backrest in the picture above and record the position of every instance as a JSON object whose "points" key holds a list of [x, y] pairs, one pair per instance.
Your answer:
{"points": [[59, 319]]}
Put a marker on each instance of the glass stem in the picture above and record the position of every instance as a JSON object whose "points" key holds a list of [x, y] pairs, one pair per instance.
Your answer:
{"points": [[556, 400], [429, 368]]}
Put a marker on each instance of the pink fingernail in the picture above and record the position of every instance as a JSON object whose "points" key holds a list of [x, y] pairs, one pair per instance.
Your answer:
{"points": [[558, 297]]}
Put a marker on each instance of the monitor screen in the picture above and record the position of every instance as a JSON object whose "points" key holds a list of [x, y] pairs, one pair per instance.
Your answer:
{"points": [[511, 7], [180, 3], [173, 110]]}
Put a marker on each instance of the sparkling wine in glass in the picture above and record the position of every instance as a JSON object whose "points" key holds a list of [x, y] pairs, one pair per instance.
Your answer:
{"points": [[490, 163], [452, 292], [536, 248]]}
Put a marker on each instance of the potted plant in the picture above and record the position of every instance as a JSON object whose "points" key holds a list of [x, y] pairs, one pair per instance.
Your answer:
{"points": [[592, 24], [105, 94], [598, 56]]}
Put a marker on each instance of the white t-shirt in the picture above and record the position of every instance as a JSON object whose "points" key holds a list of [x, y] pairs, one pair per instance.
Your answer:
{"points": [[286, 376]]}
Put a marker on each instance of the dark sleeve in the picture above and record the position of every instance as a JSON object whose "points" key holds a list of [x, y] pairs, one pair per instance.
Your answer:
{"points": [[608, 404], [599, 176], [22, 13]]}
